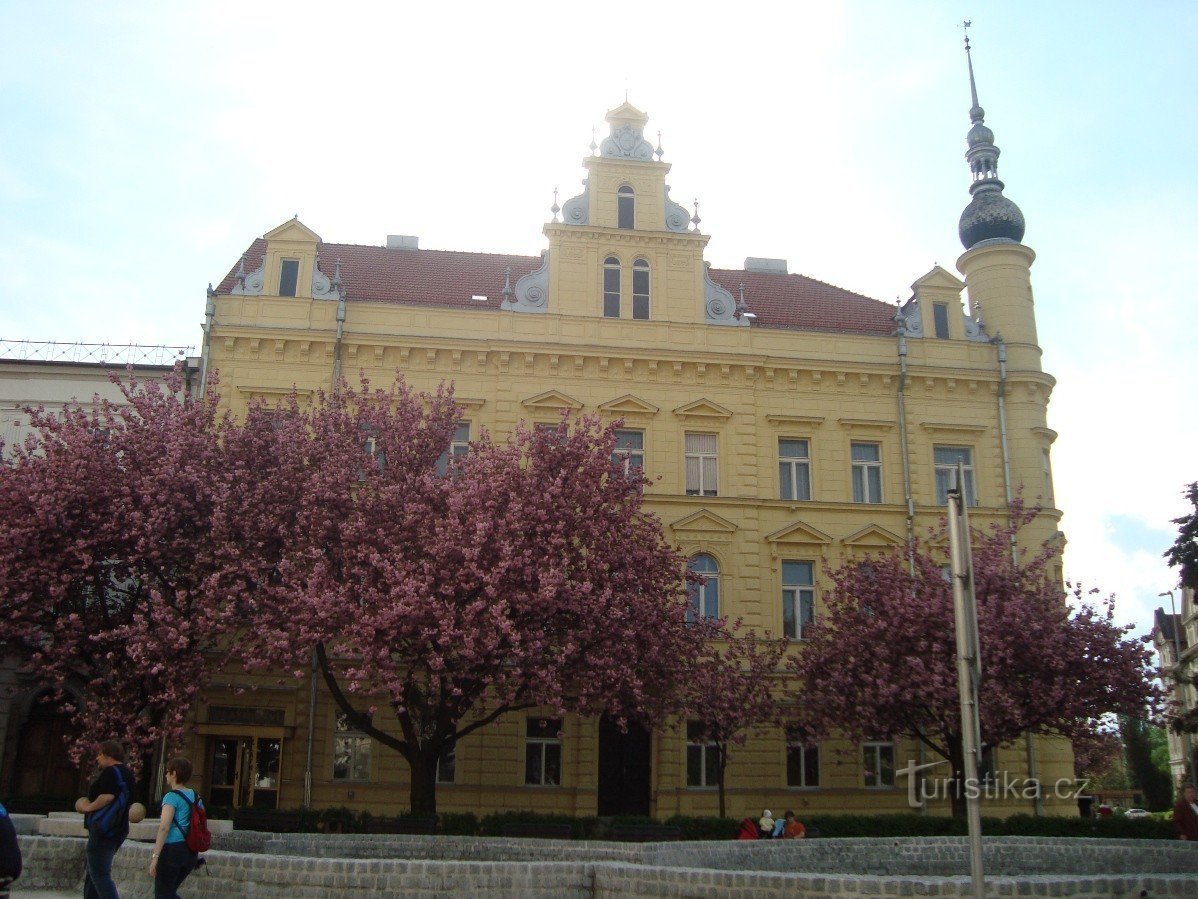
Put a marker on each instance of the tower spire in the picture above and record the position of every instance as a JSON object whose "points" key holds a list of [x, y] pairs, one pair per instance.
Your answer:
{"points": [[989, 214]]}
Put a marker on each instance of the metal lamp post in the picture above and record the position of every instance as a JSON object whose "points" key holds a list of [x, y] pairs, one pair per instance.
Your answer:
{"points": [[969, 668]]}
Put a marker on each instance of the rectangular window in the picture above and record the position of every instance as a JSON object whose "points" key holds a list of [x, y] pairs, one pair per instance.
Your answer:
{"points": [[878, 764], [447, 763], [802, 762], [543, 752], [629, 452], [794, 469], [867, 472], [611, 291], [940, 320], [702, 464], [702, 757], [351, 751], [288, 277], [640, 291], [945, 459], [458, 446], [798, 598]]}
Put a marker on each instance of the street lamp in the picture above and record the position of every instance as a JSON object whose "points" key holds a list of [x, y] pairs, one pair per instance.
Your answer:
{"points": [[1186, 741]]}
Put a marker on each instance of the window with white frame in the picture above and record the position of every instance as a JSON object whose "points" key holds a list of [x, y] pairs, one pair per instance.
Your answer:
{"points": [[794, 469], [704, 597], [625, 208], [543, 752], [798, 597], [351, 750], [640, 289], [867, 472], [447, 763], [702, 757], [702, 465], [458, 446], [878, 764], [629, 452], [611, 287], [945, 459], [802, 761]]}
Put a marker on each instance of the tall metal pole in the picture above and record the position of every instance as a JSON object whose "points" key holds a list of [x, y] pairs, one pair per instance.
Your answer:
{"points": [[969, 669]]}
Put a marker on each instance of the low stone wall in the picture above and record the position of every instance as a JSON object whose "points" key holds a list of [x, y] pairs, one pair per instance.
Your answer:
{"points": [[548, 868]]}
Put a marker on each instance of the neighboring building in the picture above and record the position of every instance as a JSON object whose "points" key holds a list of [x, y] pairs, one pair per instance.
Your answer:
{"points": [[787, 425], [33, 763], [1175, 635]]}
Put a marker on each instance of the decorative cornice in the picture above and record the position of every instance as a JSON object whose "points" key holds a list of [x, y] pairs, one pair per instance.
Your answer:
{"points": [[864, 424], [949, 427], [806, 421], [702, 408]]}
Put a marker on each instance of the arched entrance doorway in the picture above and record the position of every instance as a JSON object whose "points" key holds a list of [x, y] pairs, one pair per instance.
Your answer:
{"points": [[42, 769]]}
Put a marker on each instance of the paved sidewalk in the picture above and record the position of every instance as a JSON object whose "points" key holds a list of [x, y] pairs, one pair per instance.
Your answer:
{"points": [[44, 894]]}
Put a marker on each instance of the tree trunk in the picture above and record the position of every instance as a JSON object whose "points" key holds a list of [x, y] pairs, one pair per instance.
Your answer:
{"points": [[720, 776], [423, 794]]}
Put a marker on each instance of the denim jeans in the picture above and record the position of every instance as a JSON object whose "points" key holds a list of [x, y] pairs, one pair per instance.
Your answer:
{"points": [[97, 882], [174, 865]]}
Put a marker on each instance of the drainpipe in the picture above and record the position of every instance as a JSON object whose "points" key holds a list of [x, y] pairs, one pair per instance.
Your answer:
{"points": [[209, 315], [1028, 737], [337, 342], [902, 418]]}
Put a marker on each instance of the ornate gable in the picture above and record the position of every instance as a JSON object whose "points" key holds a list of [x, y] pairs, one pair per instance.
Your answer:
{"points": [[873, 537], [798, 534], [704, 520], [703, 408], [628, 404], [551, 399]]}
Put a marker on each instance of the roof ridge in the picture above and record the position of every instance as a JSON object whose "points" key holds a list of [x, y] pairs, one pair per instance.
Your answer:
{"points": [[804, 277], [375, 246]]}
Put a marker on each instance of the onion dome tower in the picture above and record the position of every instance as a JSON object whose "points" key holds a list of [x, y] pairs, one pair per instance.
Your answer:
{"points": [[989, 214], [996, 264]]}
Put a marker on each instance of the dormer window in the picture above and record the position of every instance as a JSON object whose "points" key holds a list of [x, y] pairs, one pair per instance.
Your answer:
{"points": [[611, 287], [288, 277], [640, 289], [625, 208]]}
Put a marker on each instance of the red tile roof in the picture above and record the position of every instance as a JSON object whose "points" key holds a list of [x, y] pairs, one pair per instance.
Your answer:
{"points": [[449, 278]]}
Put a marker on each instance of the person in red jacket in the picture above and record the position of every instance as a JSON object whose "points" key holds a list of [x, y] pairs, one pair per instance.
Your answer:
{"points": [[1185, 814]]}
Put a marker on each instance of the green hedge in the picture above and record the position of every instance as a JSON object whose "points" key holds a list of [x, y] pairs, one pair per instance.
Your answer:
{"points": [[492, 824]]}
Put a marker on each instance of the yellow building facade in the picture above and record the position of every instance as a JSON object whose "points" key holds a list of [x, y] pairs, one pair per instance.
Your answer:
{"points": [[787, 426]]}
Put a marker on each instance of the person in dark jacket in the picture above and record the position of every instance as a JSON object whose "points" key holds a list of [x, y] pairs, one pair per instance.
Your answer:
{"points": [[10, 853], [114, 779], [1185, 814]]}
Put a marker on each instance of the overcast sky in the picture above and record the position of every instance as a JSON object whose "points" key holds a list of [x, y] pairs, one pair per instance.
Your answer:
{"points": [[144, 145]]}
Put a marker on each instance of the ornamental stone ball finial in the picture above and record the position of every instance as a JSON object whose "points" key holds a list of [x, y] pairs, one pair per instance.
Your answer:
{"points": [[989, 215]]}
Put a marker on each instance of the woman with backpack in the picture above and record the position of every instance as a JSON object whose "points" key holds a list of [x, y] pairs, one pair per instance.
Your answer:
{"points": [[173, 860]]}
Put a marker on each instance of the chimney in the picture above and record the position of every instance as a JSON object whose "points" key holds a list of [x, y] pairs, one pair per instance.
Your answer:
{"points": [[761, 264], [403, 242]]}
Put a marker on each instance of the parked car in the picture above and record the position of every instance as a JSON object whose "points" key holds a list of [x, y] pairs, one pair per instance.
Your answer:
{"points": [[1137, 813]]}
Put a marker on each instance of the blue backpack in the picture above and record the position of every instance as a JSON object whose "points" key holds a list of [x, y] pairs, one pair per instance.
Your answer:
{"points": [[113, 819]]}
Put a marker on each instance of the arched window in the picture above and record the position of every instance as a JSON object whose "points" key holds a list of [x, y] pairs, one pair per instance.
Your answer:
{"points": [[625, 208], [611, 287], [640, 289], [705, 597]]}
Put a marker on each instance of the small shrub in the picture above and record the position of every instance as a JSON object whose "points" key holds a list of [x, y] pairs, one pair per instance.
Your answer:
{"points": [[463, 824], [705, 827]]}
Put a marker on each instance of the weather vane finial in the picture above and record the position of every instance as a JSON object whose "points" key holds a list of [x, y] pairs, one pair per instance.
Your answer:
{"points": [[973, 90]]}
